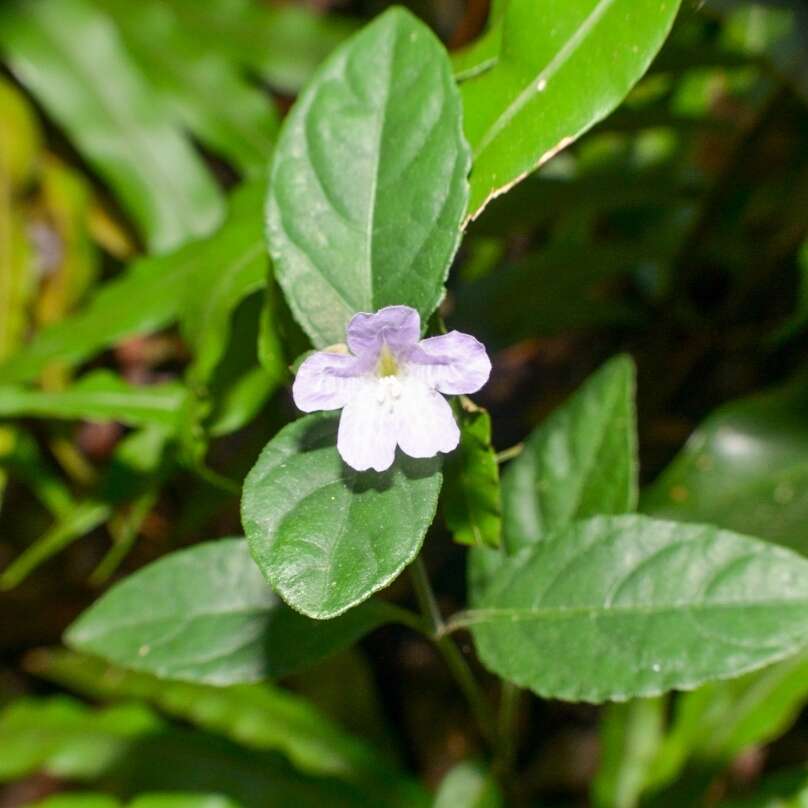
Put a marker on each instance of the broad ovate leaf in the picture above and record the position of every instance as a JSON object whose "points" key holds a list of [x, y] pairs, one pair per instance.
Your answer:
{"points": [[368, 188], [325, 536], [562, 66], [618, 607], [206, 615], [582, 461]]}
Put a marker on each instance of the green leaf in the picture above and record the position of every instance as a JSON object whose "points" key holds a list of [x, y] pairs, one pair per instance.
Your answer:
{"points": [[132, 747], [744, 468], [78, 800], [194, 80], [20, 136], [62, 737], [472, 505], [262, 717], [630, 736], [206, 614], [150, 295], [182, 801], [717, 722], [80, 519], [325, 536], [368, 186], [99, 396], [580, 462], [468, 785], [283, 44], [70, 56], [627, 606], [561, 68]]}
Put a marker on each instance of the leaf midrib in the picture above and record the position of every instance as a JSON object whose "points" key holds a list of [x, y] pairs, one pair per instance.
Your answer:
{"points": [[543, 78]]}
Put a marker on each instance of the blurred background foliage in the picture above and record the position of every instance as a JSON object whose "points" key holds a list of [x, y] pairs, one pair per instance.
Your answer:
{"points": [[143, 364]]}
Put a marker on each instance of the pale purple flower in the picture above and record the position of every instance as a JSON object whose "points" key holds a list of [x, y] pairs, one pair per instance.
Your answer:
{"points": [[389, 387]]}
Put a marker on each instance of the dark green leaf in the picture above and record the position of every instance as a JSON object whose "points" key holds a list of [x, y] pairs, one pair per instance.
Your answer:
{"points": [[70, 56], [627, 606], [580, 462], [745, 468], [552, 82], [472, 505], [368, 186], [206, 614], [325, 536]]}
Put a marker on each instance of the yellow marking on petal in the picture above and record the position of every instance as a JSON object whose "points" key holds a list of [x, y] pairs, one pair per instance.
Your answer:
{"points": [[387, 365]]}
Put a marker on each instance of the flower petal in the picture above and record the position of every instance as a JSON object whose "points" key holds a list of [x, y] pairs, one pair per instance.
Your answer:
{"points": [[397, 326], [452, 363], [367, 437], [425, 422], [326, 381]]}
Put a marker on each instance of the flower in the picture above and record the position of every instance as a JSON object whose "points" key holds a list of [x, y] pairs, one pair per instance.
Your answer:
{"points": [[389, 387]]}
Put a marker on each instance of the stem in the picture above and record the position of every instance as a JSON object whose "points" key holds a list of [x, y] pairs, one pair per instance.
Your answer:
{"points": [[506, 728], [451, 653], [509, 454]]}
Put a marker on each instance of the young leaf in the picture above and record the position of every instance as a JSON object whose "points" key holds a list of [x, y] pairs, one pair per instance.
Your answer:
{"points": [[626, 606], [472, 505], [69, 55], [368, 186], [325, 536], [561, 68], [580, 462], [98, 396], [745, 468], [206, 614]]}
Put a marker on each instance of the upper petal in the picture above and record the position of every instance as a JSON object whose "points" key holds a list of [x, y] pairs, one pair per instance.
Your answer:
{"points": [[425, 424], [326, 381], [367, 437], [397, 326], [452, 363]]}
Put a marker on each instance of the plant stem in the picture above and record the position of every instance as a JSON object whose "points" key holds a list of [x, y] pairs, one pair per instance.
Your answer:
{"points": [[509, 454], [506, 729], [451, 653]]}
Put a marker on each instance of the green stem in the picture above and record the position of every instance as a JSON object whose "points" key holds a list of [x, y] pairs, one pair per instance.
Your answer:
{"points": [[451, 653], [507, 729]]}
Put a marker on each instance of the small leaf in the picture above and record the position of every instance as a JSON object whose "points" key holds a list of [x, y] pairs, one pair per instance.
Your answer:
{"points": [[627, 606], [468, 785], [368, 186], [98, 396], [70, 57], [206, 614], [561, 68], [472, 505], [325, 536], [744, 468], [580, 462]]}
